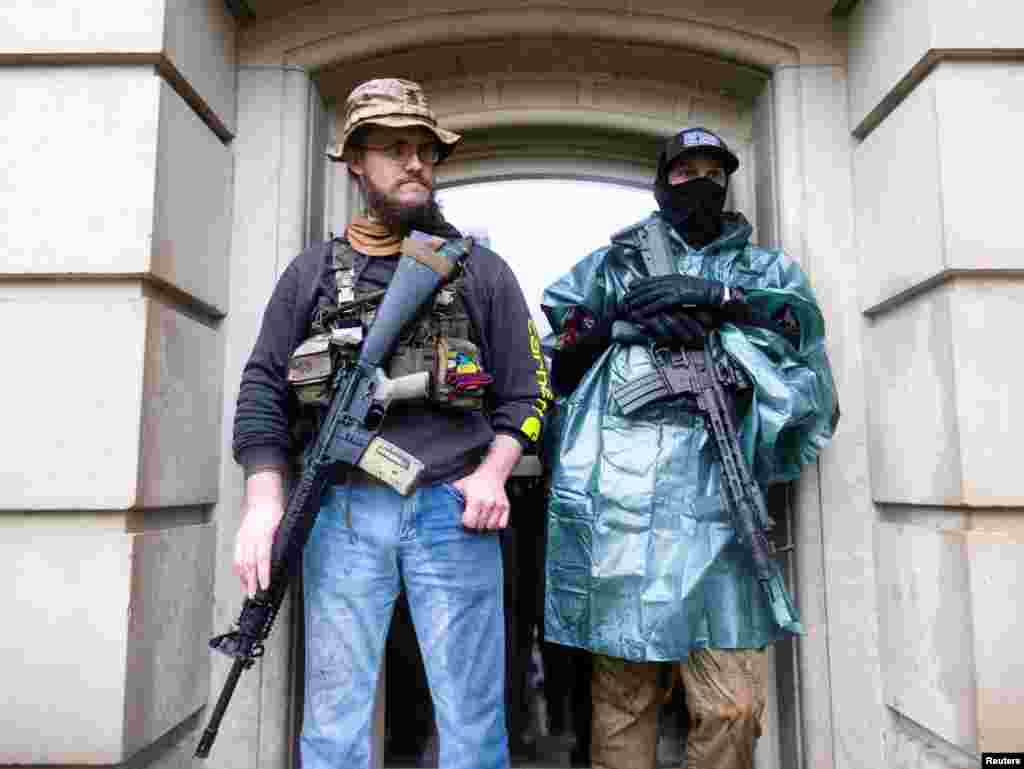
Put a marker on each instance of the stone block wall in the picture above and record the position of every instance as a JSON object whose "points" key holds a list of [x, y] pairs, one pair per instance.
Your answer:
{"points": [[115, 204], [935, 101]]}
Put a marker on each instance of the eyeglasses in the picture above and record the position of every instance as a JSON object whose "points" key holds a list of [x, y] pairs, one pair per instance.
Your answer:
{"points": [[429, 154]]}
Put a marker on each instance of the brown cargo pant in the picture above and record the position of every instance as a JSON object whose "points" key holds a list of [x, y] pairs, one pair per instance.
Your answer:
{"points": [[725, 694]]}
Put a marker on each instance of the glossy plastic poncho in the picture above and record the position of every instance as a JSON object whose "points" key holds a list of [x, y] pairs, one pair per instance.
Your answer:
{"points": [[642, 560]]}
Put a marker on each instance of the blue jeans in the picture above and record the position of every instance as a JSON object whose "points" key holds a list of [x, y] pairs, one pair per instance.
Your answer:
{"points": [[368, 542]]}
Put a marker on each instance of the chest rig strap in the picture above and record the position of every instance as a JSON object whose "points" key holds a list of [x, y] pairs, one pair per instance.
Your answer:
{"points": [[343, 257]]}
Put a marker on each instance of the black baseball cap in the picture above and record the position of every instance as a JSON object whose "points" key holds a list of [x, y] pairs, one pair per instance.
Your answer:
{"points": [[697, 140]]}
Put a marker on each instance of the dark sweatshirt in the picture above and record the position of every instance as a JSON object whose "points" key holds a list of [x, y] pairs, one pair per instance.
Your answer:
{"points": [[450, 444]]}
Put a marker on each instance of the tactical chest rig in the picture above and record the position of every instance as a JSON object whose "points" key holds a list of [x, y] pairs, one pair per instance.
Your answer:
{"points": [[437, 344]]}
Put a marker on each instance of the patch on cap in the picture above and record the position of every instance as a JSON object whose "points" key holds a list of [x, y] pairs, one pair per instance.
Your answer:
{"points": [[696, 137]]}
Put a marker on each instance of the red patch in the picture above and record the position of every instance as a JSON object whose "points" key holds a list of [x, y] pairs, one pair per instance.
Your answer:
{"points": [[579, 322]]}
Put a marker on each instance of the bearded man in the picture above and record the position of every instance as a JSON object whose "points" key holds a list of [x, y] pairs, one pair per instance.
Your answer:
{"points": [[440, 544], [644, 567]]}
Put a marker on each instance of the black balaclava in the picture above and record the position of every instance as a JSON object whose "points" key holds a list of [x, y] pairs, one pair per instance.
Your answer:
{"points": [[693, 208]]}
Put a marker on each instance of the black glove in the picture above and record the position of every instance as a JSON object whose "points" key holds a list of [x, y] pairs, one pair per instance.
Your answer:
{"points": [[678, 327], [649, 296]]}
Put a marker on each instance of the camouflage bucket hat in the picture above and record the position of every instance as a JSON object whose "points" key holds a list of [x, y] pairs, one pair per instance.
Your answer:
{"points": [[390, 102]]}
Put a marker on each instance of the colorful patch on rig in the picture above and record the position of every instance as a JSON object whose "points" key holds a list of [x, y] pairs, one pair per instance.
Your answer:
{"points": [[464, 374]]}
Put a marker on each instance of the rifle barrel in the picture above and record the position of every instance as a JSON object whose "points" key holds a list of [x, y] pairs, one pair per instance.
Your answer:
{"points": [[210, 733]]}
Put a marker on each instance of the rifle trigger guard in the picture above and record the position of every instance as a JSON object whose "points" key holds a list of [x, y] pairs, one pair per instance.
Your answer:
{"points": [[659, 351], [669, 355]]}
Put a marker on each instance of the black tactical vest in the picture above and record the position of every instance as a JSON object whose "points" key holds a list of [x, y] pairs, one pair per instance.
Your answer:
{"points": [[441, 340]]}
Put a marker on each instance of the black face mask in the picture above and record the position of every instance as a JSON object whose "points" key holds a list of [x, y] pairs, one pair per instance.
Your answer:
{"points": [[693, 208]]}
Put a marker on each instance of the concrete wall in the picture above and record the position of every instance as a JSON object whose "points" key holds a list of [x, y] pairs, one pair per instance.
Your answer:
{"points": [[116, 211], [278, 108], [839, 690], [941, 274]]}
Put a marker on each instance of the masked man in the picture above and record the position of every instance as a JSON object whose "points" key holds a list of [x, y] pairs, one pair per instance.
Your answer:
{"points": [[487, 397], [644, 564]]}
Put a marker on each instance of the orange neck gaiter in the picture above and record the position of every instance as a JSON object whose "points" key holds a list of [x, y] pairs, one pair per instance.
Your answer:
{"points": [[372, 238]]}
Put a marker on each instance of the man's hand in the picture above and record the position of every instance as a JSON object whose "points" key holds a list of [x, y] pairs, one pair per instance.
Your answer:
{"points": [[650, 296], [261, 513], [484, 489], [486, 502], [678, 327]]}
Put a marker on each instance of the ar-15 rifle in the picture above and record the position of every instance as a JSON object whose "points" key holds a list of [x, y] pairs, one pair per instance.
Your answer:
{"points": [[710, 380], [696, 373], [361, 394]]}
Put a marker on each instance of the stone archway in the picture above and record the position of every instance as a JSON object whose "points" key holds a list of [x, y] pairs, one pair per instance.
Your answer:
{"points": [[575, 107], [584, 94], [585, 109]]}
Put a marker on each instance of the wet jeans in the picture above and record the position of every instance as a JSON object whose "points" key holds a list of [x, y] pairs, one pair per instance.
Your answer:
{"points": [[368, 543]]}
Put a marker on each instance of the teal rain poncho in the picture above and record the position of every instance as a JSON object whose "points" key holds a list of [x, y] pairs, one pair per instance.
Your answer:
{"points": [[642, 560]]}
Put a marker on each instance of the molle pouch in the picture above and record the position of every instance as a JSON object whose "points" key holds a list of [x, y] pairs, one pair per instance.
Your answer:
{"points": [[310, 369], [459, 381]]}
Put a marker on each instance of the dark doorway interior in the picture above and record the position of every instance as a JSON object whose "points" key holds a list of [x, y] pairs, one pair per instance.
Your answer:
{"points": [[547, 687]]}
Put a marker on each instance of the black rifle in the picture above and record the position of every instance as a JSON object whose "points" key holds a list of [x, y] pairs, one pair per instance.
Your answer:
{"points": [[710, 383], [706, 378], [361, 394]]}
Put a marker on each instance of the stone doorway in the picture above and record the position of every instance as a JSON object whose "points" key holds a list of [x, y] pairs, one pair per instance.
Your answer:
{"points": [[601, 118]]}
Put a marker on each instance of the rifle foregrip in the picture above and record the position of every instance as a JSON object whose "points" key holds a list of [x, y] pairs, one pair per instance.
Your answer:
{"points": [[306, 489], [404, 388]]}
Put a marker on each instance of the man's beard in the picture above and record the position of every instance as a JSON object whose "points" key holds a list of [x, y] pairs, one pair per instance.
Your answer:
{"points": [[402, 218]]}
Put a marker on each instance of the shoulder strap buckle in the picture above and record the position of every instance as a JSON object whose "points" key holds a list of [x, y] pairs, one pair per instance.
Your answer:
{"points": [[343, 262]]}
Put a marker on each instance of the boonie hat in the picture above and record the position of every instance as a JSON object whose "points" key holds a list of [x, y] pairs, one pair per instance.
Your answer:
{"points": [[693, 140], [391, 102]]}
